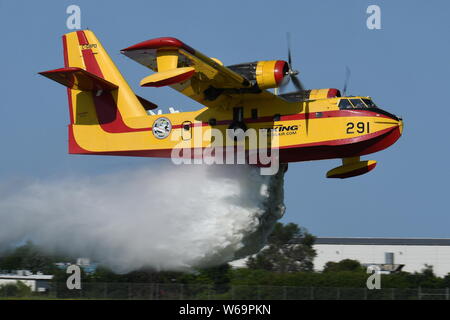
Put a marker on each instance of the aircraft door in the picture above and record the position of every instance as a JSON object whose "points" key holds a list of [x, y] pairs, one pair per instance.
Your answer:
{"points": [[186, 129]]}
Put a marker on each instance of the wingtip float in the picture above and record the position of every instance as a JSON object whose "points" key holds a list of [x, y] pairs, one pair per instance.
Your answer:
{"points": [[108, 118]]}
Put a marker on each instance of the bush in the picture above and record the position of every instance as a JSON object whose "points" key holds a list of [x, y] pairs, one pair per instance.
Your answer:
{"points": [[19, 289], [343, 265]]}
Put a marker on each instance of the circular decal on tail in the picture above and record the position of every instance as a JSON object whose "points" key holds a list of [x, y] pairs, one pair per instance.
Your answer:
{"points": [[161, 128]]}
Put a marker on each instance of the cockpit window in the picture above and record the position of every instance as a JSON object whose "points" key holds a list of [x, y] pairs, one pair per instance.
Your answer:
{"points": [[369, 103], [345, 104], [358, 103]]}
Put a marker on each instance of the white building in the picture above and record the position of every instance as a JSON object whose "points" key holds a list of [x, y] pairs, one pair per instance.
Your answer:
{"points": [[36, 282], [407, 254], [414, 254]]}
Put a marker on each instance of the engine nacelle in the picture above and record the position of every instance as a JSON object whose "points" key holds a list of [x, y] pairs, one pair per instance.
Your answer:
{"points": [[266, 74], [270, 74]]}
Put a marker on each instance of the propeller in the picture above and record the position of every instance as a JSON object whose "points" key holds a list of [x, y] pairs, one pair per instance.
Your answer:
{"points": [[347, 78], [291, 73]]}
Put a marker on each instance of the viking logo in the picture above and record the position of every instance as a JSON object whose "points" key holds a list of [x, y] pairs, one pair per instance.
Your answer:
{"points": [[161, 128], [281, 128]]}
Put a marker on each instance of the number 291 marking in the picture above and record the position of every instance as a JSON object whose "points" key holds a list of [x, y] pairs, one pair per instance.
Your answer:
{"points": [[360, 127]]}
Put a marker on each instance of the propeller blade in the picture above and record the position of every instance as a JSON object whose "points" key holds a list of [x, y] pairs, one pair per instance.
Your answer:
{"points": [[285, 82], [282, 87], [288, 39], [297, 83], [291, 74]]}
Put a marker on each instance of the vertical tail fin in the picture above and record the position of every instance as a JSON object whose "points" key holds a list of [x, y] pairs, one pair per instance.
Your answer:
{"points": [[88, 72]]}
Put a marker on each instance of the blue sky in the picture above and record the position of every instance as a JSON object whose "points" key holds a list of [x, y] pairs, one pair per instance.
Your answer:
{"points": [[404, 67]]}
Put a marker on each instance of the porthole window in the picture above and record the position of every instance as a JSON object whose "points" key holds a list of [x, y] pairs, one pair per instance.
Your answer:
{"points": [[254, 114]]}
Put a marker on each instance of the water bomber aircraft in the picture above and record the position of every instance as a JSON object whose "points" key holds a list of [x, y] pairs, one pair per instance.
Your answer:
{"points": [[108, 118]]}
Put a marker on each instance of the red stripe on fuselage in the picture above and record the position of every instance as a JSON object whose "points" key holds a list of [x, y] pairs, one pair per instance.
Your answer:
{"points": [[342, 141], [342, 148]]}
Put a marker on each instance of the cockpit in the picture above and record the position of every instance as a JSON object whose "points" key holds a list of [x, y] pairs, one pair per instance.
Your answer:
{"points": [[356, 103], [349, 103]]}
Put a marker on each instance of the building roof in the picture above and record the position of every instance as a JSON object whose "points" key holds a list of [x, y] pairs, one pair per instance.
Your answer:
{"points": [[29, 277], [381, 241]]}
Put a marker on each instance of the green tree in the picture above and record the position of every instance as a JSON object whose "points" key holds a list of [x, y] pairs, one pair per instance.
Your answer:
{"points": [[289, 249], [426, 278], [27, 257], [343, 265], [218, 277]]}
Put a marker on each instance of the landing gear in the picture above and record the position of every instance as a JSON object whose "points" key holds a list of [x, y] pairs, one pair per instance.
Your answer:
{"points": [[238, 122]]}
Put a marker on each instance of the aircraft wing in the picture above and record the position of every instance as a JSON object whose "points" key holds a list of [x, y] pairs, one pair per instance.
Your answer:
{"points": [[204, 79]]}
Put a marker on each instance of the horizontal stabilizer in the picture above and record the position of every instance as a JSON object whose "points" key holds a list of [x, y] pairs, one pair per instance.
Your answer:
{"points": [[79, 79]]}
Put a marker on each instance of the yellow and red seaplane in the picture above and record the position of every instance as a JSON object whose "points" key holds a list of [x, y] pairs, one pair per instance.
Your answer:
{"points": [[108, 118]]}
